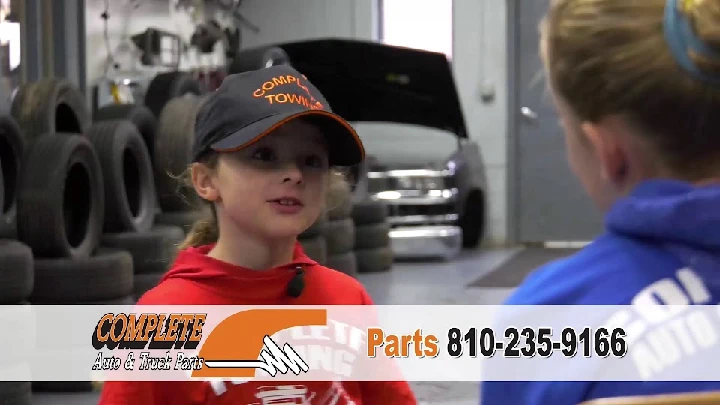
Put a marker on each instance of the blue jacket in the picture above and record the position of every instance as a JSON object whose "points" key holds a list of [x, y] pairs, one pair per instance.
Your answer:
{"points": [[661, 227]]}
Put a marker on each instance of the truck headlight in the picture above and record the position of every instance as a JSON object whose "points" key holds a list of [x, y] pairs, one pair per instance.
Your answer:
{"points": [[421, 183]]}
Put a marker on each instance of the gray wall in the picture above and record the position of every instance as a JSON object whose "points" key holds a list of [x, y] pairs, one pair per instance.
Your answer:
{"points": [[479, 59]]}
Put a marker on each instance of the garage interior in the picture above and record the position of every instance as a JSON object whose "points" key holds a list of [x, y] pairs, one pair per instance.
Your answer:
{"points": [[130, 68]]}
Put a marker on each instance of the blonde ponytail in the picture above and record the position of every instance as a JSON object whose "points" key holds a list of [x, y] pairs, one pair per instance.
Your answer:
{"points": [[203, 232]]}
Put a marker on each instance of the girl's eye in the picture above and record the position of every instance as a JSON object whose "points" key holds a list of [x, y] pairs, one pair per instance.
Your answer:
{"points": [[314, 161], [265, 155]]}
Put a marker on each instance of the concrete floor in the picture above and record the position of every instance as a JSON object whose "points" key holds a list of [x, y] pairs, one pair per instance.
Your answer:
{"points": [[408, 283]]}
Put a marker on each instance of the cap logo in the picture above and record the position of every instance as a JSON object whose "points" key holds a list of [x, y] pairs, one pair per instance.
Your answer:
{"points": [[271, 92]]}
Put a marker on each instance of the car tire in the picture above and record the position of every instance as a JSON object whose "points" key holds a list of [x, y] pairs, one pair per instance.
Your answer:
{"points": [[315, 248], [340, 236], [12, 149], [57, 168], [139, 115], [106, 275], [182, 219], [167, 86], [173, 152], [372, 236], [16, 272], [127, 176], [50, 106], [369, 212], [344, 263], [152, 251], [374, 260]]}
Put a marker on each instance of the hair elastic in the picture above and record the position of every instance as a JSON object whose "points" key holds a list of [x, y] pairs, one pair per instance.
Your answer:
{"points": [[681, 38]]}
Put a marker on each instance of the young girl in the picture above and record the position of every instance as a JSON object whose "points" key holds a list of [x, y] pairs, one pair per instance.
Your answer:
{"points": [[265, 145], [637, 87]]}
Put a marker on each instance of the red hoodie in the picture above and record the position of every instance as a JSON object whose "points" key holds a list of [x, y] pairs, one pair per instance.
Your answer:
{"points": [[196, 279]]}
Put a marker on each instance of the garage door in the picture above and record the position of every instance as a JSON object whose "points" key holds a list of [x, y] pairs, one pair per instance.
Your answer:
{"points": [[549, 203]]}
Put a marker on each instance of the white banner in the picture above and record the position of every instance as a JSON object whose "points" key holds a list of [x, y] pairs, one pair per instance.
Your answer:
{"points": [[361, 343]]}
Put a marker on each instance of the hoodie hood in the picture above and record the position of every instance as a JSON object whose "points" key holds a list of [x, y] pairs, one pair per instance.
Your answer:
{"points": [[681, 215], [227, 280]]}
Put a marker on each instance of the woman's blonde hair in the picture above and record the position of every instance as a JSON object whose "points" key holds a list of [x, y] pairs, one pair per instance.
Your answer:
{"points": [[611, 57], [205, 230]]}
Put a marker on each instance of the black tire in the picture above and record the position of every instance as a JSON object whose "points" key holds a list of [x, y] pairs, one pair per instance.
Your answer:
{"points": [[16, 272], [152, 251], [105, 276], [173, 152], [15, 393], [168, 85], [139, 115], [145, 283], [374, 260], [129, 300], [50, 106], [12, 148], [472, 220], [344, 263], [372, 236], [61, 201], [62, 386], [340, 236], [130, 199], [315, 248], [181, 219], [369, 212], [317, 228], [258, 58]]}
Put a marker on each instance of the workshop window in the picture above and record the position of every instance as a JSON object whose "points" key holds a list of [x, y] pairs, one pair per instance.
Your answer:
{"points": [[420, 24]]}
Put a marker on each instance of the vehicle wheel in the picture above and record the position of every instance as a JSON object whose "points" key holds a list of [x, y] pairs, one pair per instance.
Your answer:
{"points": [[173, 152], [12, 148], [138, 115], [340, 236], [127, 176], [61, 201], [374, 260], [16, 272], [16, 392], [62, 386], [258, 58], [472, 220], [372, 236], [344, 263], [145, 282], [315, 248], [106, 275], [152, 251], [182, 219], [167, 86], [369, 212], [129, 300], [50, 106]]}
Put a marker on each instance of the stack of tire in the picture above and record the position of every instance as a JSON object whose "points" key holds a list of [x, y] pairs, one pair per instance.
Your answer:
{"points": [[61, 206], [151, 238], [16, 267], [313, 240], [179, 205], [373, 248], [340, 235]]}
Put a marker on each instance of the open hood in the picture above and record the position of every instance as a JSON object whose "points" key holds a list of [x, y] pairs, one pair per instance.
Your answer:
{"points": [[372, 82]]}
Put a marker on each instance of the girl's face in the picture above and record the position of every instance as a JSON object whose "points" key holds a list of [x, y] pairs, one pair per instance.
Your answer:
{"points": [[276, 187]]}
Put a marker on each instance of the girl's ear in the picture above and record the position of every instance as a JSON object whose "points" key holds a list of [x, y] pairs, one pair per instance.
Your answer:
{"points": [[608, 150], [204, 182]]}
